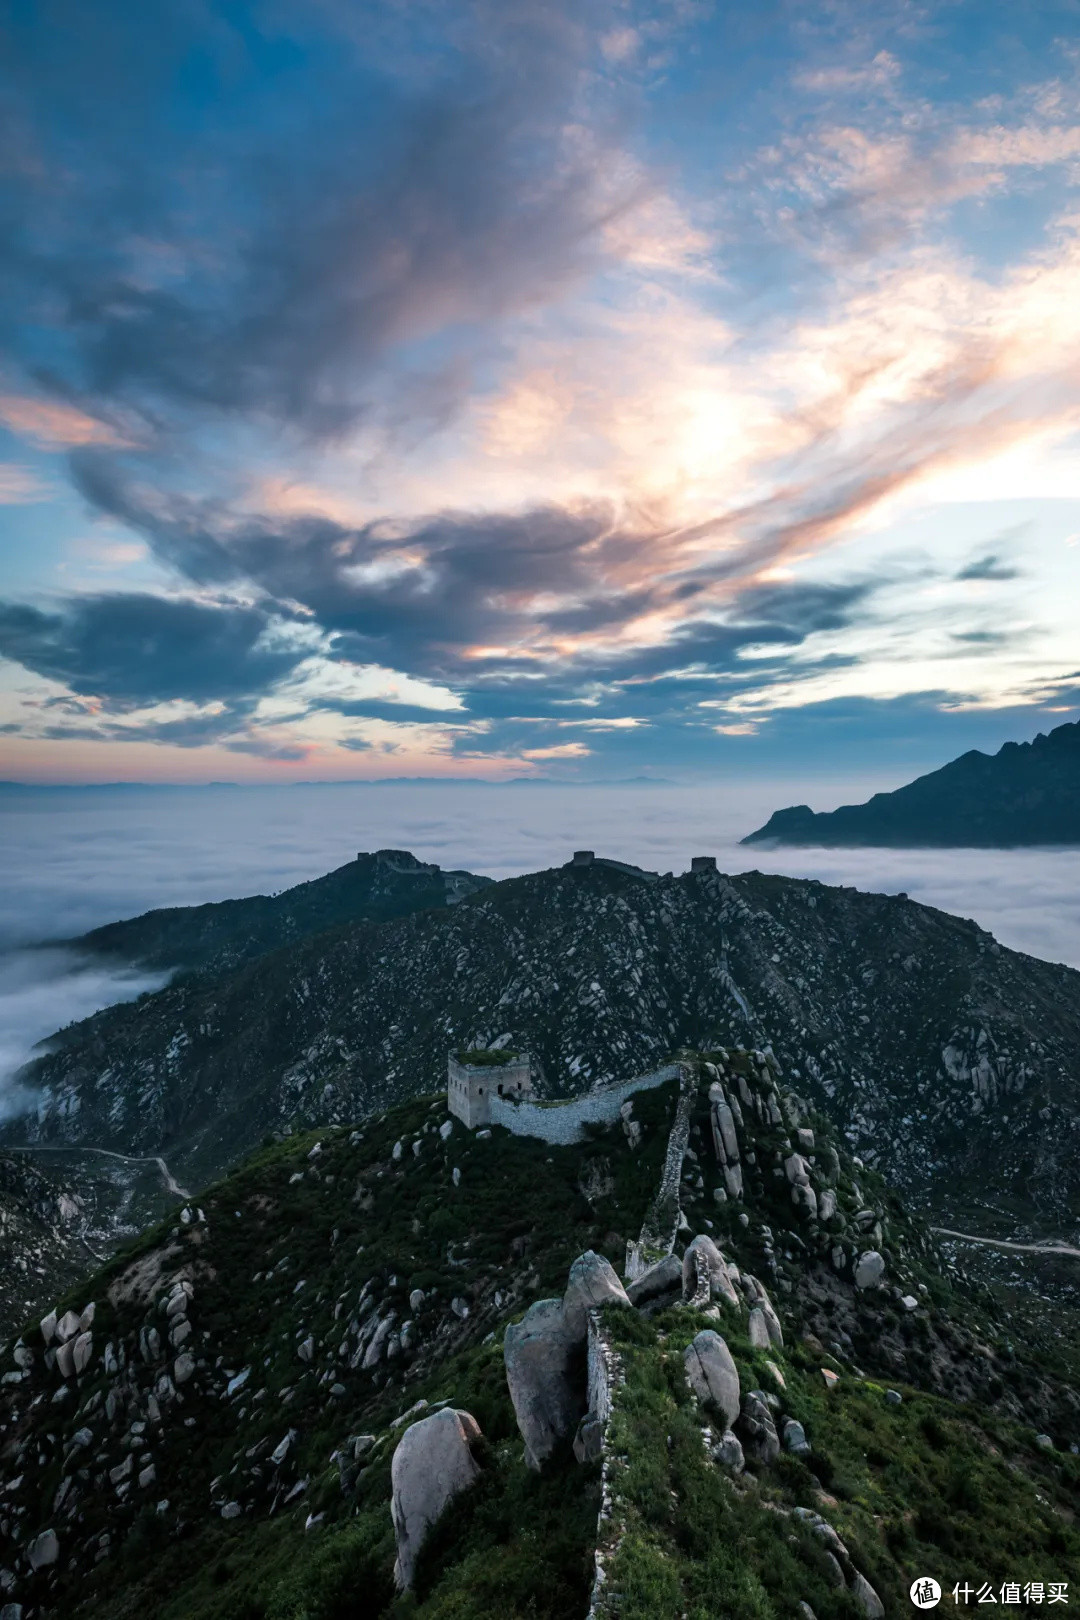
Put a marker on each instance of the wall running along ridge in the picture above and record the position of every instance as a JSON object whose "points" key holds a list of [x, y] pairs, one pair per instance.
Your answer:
{"points": [[562, 1123]]}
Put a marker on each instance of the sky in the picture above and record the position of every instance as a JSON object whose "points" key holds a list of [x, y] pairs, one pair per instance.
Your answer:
{"points": [[500, 389]]}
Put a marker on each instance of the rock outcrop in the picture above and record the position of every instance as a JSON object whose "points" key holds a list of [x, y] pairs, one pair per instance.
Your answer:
{"points": [[712, 1374], [433, 1463], [545, 1375], [593, 1282]]}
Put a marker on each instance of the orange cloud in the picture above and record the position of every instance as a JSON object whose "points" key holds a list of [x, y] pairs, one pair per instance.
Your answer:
{"points": [[54, 425]]}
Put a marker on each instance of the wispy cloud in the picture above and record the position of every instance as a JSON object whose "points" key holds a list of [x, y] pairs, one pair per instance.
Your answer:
{"points": [[482, 394], [19, 486]]}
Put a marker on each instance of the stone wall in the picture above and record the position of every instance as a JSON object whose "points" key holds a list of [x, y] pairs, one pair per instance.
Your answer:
{"points": [[661, 1225], [562, 1122], [606, 1376]]}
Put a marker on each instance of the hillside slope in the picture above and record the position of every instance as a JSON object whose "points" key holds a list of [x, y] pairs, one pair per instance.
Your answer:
{"points": [[222, 936], [42, 1235], [1026, 793], [220, 1442], [953, 1059]]}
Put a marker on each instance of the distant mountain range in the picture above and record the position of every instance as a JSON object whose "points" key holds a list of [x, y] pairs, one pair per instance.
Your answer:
{"points": [[1026, 793]]}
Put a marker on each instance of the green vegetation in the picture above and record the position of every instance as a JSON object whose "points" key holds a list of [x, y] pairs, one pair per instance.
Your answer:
{"points": [[317, 1234], [921, 1487]]}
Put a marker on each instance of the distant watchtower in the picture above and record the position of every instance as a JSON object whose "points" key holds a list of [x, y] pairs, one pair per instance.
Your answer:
{"points": [[703, 863], [472, 1077]]}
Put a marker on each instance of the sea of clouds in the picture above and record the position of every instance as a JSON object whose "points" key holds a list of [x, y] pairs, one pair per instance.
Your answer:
{"points": [[76, 858]]}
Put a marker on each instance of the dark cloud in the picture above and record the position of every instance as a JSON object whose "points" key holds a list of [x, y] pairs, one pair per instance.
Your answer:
{"points": [[308, 249], [992, 565], [472, 580], [130, 650]]}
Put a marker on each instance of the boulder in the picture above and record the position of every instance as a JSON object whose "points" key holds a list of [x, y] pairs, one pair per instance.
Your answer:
{"points": [[805, 1200], [728, 1452], [592, 1282], [43, 1551], [374, 1352], [589, 1440], [757, 1295], [826, 1204], [795, 1438], [797, 1170], [712, 1374], [433, 1463], [758, 1330], [65, 1359], [67, 1327], [828, 1164], [866, 1597], [869, 1269], [836, 1574], [665, 1277], [720, 1285], [48, 1327], [183, 1367], [545, 1375], [757, 1428], [81, 1350]]}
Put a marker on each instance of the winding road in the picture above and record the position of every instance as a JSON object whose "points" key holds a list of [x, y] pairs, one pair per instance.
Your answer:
{"points": [[171, 1184], [1004, 1243]]}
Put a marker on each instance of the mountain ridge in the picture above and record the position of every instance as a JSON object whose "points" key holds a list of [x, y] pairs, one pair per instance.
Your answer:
{"points": [[222, 935], [1025, 794], [953, 1056], [228, 1420]]}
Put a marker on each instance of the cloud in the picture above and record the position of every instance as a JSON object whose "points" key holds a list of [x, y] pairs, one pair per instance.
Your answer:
{"points": [[53, 424], [461, 598], [415, 205], [40, 992], [130, 650], [990, 566], [19, 486], [874, 75], [444, 365]]}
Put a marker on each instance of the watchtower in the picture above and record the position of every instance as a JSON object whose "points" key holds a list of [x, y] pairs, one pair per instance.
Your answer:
{"points": [[472, 1078]]}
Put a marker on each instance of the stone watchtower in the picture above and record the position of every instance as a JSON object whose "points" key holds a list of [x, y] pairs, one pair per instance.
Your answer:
{"points": [[472, 1078]]}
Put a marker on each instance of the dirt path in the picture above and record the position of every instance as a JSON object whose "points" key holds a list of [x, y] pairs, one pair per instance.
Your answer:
{"points": [[1004, 1243], [171, 1184]]}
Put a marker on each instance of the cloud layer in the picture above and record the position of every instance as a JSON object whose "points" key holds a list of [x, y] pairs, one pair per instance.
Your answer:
{"points": [[71, 860]]}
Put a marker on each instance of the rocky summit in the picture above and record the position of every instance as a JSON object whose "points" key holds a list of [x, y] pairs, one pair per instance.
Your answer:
{"points": [[948, 1060], [1026, 793], [692, 1359]]}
